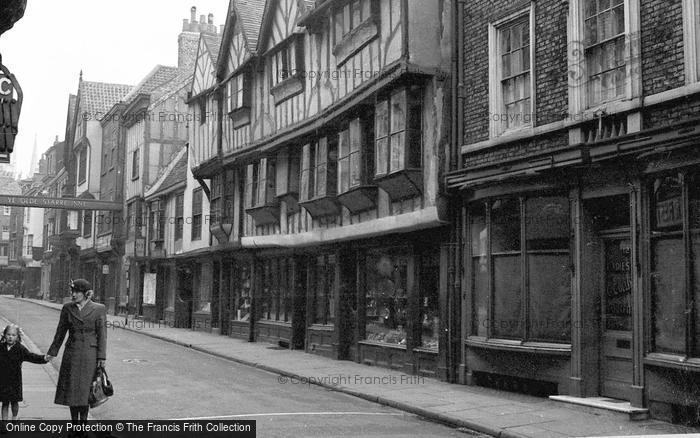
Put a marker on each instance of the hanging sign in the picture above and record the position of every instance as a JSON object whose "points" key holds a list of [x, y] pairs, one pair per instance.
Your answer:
{"points": [[10, 108]]}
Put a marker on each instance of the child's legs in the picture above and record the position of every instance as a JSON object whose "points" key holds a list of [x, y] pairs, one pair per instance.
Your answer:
{"points": [[15, 410]]}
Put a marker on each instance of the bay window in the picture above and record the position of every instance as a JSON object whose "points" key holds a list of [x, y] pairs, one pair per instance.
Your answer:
{"points": [[355, 161], [398, 143], [238, 97], [520, 275], [260, 192], [675, 263], [319, 177]]}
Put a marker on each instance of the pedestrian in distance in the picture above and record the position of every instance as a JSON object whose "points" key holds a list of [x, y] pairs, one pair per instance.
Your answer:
{"points": [[12, 354], [86, 348]]}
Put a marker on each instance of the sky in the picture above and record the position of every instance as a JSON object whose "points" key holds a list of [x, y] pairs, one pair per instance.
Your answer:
{"points": [[110, 41]]}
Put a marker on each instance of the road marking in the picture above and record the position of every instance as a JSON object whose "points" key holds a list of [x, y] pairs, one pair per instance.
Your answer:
{"points": [[289, 414]]}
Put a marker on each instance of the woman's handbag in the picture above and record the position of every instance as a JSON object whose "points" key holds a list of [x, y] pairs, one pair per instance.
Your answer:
{"points": [[100, 389]]}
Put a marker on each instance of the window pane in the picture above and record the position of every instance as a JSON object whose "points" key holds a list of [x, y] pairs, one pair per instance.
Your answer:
{"points": [[338, 26], [550, 297], [356, 13], [398, 111], [479, 236], [668, 295], [386, 298], [344, 140], [481, 296], [321, 180], [547, 223], [382, 155], [355, 178], [505, 225], [343, 175], [429, 300], [398, 150], [666, 202], [382, 119], [507, 297], [618, 285]]}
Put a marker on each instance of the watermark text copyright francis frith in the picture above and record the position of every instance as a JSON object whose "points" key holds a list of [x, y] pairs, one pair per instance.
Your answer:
{"points": [[351, 379]]}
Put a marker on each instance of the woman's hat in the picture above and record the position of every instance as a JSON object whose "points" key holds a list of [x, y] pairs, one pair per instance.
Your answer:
{"points": [[80, 285]]}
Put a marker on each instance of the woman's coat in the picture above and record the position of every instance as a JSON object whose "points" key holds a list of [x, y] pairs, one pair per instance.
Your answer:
{"points": [[87, 343]]}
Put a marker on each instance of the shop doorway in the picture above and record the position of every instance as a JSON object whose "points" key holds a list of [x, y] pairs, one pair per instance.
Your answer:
{"points": [[612, 261], [616, 317]]}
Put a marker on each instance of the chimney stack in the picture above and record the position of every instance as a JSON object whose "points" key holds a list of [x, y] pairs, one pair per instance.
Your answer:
{"points": [[210, 18], [193, 15]]}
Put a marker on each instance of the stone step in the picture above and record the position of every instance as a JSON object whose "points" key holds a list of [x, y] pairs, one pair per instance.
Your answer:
{"points": [[605, 405]]}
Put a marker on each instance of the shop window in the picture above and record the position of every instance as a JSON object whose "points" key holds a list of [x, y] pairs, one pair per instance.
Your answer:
{"points": [[398, 143], [387, 297], [242, 298], [324, 290], [319, 177], [276, 292], [520, 266], [429, 301], [179, 215], [675, 244], [196, 214]]}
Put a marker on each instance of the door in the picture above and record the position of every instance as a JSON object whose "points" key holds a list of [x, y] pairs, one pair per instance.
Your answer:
{"points": [[616, 318]]}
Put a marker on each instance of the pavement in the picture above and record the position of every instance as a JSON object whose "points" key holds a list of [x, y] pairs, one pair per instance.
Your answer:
{"points": [[496, 413]]}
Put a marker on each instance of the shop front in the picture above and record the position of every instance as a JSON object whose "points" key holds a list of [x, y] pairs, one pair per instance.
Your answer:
{"points": [[583, 280]]}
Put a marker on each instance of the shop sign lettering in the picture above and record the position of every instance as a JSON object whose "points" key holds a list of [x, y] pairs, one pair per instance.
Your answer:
{"points": [[668, 213]]}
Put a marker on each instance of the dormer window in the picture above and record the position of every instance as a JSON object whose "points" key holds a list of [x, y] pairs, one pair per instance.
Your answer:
{"points": [[286, 66]]}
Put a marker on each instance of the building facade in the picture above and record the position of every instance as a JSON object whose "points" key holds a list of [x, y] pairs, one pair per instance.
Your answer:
{"points": [[579, 194], [325, 157]]}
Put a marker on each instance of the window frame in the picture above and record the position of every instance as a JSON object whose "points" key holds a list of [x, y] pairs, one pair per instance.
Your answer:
{"points": [[410, 156], [179, 216], [523, 253], [197, 211], [691, 46], [578, 71], [82, 166], [496, 98], [86, 224], [135, 164], [685, 231], [357, 133]]}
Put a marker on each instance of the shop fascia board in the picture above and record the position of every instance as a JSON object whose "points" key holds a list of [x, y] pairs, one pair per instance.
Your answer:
{"points": [[427, 218]]}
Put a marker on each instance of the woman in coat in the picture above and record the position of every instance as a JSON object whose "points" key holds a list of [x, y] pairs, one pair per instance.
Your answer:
{"points": [[86, 348]]}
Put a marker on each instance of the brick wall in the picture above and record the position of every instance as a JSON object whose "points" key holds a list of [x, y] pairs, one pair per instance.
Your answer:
{"points": [[672, 112], [551, 96], [662, 45], [188, 43], [524, 148]]}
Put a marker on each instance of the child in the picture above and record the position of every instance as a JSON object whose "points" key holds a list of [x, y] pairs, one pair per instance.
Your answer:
{"points": [[12, 354]]}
